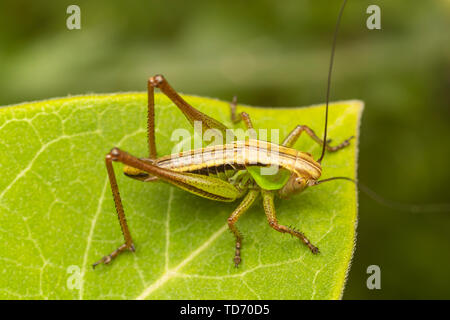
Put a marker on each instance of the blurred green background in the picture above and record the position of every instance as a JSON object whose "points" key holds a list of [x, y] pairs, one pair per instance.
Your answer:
{"points": [[275, 53]]}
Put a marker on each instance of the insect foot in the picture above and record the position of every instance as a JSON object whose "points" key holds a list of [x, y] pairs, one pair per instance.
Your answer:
{"points": [[306, 241], [338, 147], [107, 259], [314, 249], [237, 257]]}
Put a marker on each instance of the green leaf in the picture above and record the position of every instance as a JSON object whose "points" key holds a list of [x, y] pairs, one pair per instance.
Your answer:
{"points": [[58, 217]]}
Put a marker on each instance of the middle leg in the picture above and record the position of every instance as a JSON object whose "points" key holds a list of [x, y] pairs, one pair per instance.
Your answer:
{"points": [[269, 209]]}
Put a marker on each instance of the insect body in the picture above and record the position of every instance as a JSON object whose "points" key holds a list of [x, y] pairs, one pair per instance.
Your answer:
{"points": [[227, 161], [223, 172]]}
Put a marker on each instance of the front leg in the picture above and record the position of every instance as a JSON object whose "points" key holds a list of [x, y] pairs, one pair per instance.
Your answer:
{"points": [[243, 206]]}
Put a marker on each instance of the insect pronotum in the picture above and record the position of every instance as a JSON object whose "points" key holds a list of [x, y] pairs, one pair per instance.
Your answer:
{"points": [[229, 171]]}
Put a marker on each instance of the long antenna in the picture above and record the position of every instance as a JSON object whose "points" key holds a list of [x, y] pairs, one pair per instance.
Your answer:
{"points": [[329, 79], [414, 208]]}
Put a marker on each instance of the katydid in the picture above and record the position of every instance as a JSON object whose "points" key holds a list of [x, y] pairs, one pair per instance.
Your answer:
{"points": [[231, 171]]}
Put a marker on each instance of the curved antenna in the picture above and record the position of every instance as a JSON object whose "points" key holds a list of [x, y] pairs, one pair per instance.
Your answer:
{"points": [[413, 208], [329, 79]]}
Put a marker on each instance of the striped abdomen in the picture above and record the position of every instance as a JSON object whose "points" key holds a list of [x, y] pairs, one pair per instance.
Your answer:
{"points": [[225, 160]]}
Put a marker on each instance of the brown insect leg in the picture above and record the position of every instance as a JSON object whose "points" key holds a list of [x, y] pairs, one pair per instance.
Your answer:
{"points": [[190, 112], [120, 213], [246, 118], [293, 136], [243, 206], [235, 118], [201, 185], [269, 209], [151, 121]]}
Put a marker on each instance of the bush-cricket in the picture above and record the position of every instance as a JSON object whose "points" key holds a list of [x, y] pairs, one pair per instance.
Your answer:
{"points": [[229, 171]]}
